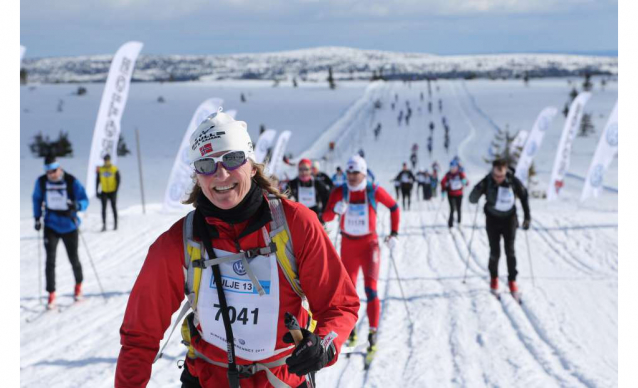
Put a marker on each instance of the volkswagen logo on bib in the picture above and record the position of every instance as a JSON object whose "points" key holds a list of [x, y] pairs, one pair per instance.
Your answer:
{"points": [[612, 135], [239, 269], [596, 179]]}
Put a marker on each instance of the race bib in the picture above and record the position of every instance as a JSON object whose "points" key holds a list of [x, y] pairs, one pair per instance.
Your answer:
{"points": [[56, 196], [504, 199], [253, 318], [405, 178], [456, 184], [356, 222], [307, 196]]}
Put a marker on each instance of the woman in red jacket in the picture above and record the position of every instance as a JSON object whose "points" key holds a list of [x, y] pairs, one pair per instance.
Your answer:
{"points": [[452, 184], [237, 330], [357, 203]]}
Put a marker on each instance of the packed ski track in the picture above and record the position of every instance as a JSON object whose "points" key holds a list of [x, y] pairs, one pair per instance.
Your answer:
{"points": [[564, 334]]}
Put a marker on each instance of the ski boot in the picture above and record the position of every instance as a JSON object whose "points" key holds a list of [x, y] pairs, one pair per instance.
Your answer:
{"points": [[103, 227], [352, 340], [372, 348], [51, 303], [494, 288], [516, 294], [77, 292]]}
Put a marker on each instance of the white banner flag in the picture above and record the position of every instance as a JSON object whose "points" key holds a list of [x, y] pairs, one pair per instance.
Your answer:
{"points": [[275, 165], [23, 50], [265, 141], [563, 154], [107, 126], [605, 152], [180, 181], [533, 142]]}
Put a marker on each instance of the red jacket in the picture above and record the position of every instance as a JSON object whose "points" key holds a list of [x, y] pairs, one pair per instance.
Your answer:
{"points": [[159, 291], [380, 196], [452, 177]]}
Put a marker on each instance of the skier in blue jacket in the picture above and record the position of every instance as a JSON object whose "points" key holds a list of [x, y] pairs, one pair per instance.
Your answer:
{"points": [[62, 196]]}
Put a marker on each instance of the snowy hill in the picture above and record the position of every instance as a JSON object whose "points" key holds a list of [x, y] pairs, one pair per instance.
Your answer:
{"points": [[564, 335], [312, 65]]}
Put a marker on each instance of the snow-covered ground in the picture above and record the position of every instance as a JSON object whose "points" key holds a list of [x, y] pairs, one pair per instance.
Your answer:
{"points": [[564, 335]]}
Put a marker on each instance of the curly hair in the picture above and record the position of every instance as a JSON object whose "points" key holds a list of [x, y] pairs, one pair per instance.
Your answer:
{"points": [[267, 183]]}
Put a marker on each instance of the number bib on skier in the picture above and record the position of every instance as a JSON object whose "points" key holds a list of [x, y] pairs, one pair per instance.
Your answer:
{"points": [[253, 318], [456, 184], [56, 195], [405, 178], [504, 199], [307, 196], [356, 222]]}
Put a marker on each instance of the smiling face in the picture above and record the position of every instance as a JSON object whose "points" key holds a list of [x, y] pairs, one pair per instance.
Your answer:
{"points": [[498, 174], [226, 189]]}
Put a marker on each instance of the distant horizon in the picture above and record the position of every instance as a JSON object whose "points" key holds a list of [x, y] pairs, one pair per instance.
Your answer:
{"points": [[600, 53]]}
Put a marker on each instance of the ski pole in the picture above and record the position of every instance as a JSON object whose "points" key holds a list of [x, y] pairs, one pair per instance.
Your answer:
{"points": [[469, 246], [529, 257], [40, 268], [88, 253], [337, 232], [396, 271]]}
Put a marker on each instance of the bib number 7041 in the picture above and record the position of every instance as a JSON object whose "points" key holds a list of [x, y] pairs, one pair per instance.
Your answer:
{"points": [[242, 317]]}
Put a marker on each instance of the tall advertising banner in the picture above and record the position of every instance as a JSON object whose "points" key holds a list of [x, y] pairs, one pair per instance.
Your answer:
{"points": [[533, 142], [23, 50], [180, 180], [276, 161], [561, 163], [265, 141], [605, 152], [107, 126]]}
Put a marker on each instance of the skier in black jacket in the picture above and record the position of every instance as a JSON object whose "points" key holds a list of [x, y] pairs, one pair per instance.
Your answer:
{"points": [[307, 190], [501, 188], [406, 180]]}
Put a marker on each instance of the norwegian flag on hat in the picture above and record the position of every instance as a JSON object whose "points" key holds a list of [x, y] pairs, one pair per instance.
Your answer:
{"points": [[206, 148]]}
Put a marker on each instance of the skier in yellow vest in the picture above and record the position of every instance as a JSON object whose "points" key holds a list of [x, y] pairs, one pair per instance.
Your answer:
{"points": [[109, 177]]}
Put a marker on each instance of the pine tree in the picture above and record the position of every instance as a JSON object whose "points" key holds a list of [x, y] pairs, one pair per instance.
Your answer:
{"points": [[81, 91], [566, 109], [526, 79], [242, 98], [63, 147], [573, 94], [23, 76], [294, 82]]}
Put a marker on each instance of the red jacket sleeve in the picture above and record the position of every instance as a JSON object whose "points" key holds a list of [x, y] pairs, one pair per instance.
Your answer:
{"points": [[386, 199], [463, 176], [444, 182], [332, 297], [156, 295], [336, 195]]}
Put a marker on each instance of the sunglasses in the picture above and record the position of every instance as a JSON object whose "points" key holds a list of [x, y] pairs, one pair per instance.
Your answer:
{"points": [[231, 161], [51, 172], [303, 169]]}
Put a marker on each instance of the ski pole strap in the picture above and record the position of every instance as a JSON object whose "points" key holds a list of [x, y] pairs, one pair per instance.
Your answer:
{"points": [[233, 373], [178, 321], [249, 370]]}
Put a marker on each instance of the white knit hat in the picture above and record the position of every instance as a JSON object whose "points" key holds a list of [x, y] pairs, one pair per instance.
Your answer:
{"points": [[357, 164], [220, 132]]}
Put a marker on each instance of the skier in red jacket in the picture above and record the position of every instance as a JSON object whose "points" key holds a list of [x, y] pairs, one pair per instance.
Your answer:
{"points": [[237, 330], [453, 183], [357, 202]]}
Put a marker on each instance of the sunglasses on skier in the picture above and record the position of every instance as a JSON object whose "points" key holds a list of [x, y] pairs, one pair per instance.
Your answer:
{"points": [[231, 161]]}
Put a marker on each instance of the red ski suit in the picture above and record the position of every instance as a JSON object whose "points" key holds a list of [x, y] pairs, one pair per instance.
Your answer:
{"points": [[159, 291], [447, 182], [363, 251]]}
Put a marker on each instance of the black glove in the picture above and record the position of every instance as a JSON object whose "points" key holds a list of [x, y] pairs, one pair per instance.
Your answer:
{"points": [[38, 224], [526, 224], [73, 206], [309, 356]]}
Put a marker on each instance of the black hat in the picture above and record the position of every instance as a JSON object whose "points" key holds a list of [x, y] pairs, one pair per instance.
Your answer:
{"points": [[107, 157], [49, 159]]}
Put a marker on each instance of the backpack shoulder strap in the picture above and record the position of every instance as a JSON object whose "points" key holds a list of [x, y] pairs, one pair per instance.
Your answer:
{"points": [[70, 181], [371, 191], [192, 275]]}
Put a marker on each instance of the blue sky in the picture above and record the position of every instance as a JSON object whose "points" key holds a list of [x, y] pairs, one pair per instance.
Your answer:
{"points": [[80, 27]]}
